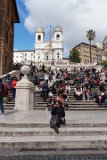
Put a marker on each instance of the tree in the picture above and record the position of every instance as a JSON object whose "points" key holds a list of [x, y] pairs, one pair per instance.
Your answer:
{"points": [[91, 36], [104, 63], [74, 56]]}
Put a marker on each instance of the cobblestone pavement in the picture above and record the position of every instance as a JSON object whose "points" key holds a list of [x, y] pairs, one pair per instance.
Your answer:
{"points": [[73, 157]]}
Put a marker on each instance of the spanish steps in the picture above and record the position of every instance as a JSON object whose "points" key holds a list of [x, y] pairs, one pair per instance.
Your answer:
{"points": [[85, 129]]}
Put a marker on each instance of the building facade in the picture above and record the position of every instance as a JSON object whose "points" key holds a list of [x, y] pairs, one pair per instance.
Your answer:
{"points": [[22, 56], [8, 16], [45, 51], [104, 57], [84, 51]]}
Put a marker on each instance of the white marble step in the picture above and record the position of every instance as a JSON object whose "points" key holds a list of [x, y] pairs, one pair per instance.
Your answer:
{"points": [[65, 131], [61, 142]]}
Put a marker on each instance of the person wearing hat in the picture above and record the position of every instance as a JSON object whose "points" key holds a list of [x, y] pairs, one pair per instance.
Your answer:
{"points": [[51, 102]]}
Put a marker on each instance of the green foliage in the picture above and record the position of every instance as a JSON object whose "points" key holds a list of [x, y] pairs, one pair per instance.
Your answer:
{"points": [[91, 35], [104, 62], [74, 56]]}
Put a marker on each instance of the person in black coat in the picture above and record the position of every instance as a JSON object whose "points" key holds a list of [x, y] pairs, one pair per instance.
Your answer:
{"points": [[59, 114]]}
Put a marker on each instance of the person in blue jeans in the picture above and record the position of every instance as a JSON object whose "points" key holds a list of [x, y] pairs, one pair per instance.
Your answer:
{"points": [[1, 97]]}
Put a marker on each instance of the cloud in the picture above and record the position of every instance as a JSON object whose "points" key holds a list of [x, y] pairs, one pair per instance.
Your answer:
{"points": [[75, 17], [23, 15]]}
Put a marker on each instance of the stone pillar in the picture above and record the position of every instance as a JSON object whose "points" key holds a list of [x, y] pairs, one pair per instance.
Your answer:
{"points": [[24, 92]]}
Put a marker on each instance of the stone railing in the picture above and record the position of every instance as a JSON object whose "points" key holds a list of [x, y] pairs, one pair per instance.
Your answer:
{"points": [[12, 73]]}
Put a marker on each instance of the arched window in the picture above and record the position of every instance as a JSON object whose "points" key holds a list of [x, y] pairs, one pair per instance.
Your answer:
{"points": [[39, 37], [58, 55], [57, 36]]}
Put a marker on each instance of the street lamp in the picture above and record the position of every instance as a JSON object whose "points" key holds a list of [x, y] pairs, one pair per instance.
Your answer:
{"points": [[97, 55], [31, 58], [52, 57]]}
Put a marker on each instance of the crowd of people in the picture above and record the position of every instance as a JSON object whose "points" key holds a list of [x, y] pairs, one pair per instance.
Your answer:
{"points": [[55, 88]]}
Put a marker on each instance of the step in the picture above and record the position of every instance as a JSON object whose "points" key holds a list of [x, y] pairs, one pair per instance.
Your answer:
{"points": [[70, 105], [75, 109], [9, 105], [52, 142], [47, 131], [42, 124], [68, 101]]}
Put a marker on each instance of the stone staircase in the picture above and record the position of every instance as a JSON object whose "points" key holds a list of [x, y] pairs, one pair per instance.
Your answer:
{"points": [[33, 132], [73, 104]]}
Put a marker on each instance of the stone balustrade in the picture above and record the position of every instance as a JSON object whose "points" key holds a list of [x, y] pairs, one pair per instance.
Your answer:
{"points": [[12, 73]]}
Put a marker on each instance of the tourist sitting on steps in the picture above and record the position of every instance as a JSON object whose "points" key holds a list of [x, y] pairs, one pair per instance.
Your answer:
{"points": [[78, 93]]}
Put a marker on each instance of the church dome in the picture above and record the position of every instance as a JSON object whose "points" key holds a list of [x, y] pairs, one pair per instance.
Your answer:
{"points": [[105, 40], [58, 29], [39, 30]]}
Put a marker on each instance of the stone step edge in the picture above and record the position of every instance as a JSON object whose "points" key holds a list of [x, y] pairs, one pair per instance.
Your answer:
{"points": [[45, 129], [50, 132], [69, 142], [73, 109], [42, 125], [69, 109], [53, 138]]}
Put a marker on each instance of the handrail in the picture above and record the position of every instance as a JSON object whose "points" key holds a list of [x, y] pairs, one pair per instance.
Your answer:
{"points": [[12, 73]]}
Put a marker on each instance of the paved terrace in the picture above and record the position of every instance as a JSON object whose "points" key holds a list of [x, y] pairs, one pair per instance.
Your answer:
{"points": [[37, 122], [43, 117]]}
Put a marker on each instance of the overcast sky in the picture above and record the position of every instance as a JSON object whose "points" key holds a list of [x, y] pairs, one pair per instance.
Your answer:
{"points": [[75, 17]]}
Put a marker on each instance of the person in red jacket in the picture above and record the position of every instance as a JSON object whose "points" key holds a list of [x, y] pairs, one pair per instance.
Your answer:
{"points": [[13, 85]]}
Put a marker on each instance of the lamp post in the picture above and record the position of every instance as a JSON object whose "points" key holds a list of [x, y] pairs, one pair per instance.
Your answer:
{"points": [[52, 57], [31, 58], [97, 55]]}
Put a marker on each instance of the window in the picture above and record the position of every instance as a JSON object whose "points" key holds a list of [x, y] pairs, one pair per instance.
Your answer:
{"points": [[7, 33], [1, 24], [11, 42], [47, 57], [5, 61], [57, 36], [12, 23], [39, 37]]}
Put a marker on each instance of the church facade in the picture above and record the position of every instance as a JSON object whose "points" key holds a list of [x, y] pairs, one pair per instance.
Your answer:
{"points": [[45, 51]]}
